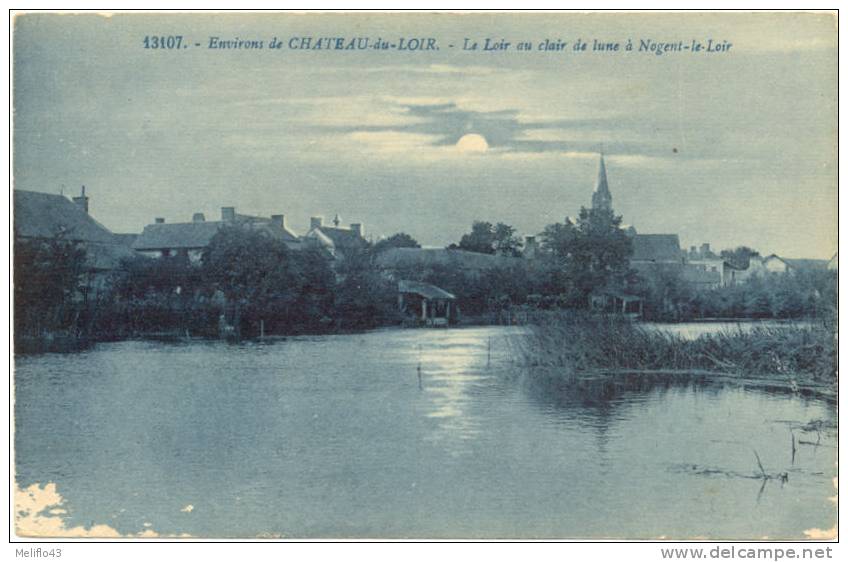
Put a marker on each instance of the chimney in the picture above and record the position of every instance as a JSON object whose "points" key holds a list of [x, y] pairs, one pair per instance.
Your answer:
{"points": [[198, 217], [705, 250], [228, 214], [278, 221], [82, 201], [356, 227], [160, 220], [316, 222]]}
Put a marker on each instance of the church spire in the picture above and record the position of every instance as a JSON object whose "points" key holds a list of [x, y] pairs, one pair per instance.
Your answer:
{"points": [[602, 198]]}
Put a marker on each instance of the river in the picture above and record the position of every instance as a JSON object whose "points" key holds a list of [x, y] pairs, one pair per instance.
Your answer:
{"points": [[339, 436]]}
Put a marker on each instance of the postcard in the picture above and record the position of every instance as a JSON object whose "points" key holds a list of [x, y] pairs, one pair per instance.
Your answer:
{"points": [[374, 275]]}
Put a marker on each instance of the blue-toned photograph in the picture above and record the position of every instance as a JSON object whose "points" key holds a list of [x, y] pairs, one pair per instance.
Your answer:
{"points": [[412, 276]]}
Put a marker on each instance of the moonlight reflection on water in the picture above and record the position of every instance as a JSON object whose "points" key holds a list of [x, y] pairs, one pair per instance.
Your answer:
{"points": [[336, 436]]}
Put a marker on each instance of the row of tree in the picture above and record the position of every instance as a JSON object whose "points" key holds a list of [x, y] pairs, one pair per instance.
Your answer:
{"points": [[254, 283]]}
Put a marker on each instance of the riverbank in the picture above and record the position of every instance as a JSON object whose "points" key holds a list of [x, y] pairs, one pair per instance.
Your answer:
{"points": [[570, 347]]}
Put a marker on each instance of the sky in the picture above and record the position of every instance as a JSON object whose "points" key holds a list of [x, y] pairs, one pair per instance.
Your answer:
{"points": [[728, 148]]}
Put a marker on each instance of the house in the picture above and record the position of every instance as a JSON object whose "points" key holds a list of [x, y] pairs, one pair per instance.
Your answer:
{"points": [[189, 239], [336, 240], [698, 277], [777, 264], [655, 254], [702, 253], [47, 217], [427, 303], [728, 274], [807, 264]]}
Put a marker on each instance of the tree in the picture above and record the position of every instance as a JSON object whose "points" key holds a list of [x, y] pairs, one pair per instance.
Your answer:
{"points": [[255, 272], [49, 287], [739, 257], [399, 240], [506, 243], [157, 295], [486, 238], [593, 253], [313, 308], [364, 298]]}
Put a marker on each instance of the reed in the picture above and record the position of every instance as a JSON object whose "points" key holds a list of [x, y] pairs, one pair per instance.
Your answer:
{"points": [[579, 345]]}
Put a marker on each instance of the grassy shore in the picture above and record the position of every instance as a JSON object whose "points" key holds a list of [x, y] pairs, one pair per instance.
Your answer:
{"points": [[573, 346]]}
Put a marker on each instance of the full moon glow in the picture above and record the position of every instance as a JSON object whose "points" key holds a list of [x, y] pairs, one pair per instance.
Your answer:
{"points": [[472, 142]]}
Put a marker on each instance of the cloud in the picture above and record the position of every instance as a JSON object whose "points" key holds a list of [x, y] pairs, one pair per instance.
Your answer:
{"points": [[432, 128]]}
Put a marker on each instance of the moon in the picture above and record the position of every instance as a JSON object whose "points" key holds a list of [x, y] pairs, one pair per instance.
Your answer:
{"points": [[472, 142]]}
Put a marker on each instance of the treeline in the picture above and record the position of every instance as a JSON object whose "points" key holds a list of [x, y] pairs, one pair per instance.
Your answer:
{"points": [[249, 283], [245, 281], [805, 293]]}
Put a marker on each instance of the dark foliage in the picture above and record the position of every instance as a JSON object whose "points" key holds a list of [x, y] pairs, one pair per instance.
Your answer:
{"points": [[486, 238], [51, 285], [739, 257], [589, 255], [399, 240]]}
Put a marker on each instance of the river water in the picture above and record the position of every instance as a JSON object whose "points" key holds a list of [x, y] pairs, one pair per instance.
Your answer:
{"points": [[339, 436]]}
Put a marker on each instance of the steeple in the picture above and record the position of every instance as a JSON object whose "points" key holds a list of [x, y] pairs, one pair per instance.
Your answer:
{"points": [[601, 198]]}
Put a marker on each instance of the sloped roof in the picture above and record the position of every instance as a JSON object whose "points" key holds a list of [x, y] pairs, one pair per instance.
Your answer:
{"points": [[341, 237], [425, 290], [126, 239], [279, 229], [656, 247], [325, 240], [807, 263], [177, 235], [400, 258], [47, 216], [198, 234]]}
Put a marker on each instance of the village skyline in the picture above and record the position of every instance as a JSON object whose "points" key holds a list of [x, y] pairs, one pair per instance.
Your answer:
{"points": [[338, 221], [734, 148]]}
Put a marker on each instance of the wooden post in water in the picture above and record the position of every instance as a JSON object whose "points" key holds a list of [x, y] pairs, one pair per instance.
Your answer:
{"points": [[489, 352], [420, 386]]}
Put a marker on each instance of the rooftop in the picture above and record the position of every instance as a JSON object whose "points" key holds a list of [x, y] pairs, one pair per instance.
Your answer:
{"points": [[425, 290], [47, 216], [400, 258], [198, 234], [656, 247]]}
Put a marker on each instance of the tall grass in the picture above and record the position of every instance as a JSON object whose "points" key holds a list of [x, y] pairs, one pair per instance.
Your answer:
{"points": [[579, 343]]}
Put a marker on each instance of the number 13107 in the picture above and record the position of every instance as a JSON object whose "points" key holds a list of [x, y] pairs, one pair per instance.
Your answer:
{"points": [[163, 41]]}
